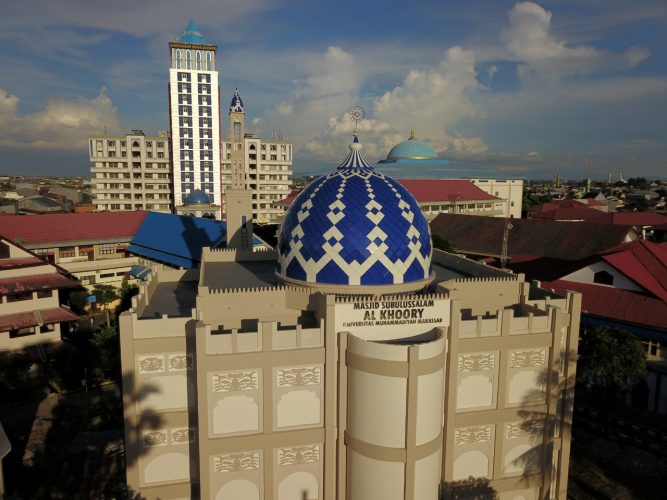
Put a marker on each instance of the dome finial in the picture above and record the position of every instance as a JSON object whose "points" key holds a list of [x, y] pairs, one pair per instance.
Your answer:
{"points": [[412, 135], [357, 114]]}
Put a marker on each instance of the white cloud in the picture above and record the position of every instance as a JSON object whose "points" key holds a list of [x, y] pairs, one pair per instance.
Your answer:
{"points": [[63, 124], [530, 41], [429, 100]]}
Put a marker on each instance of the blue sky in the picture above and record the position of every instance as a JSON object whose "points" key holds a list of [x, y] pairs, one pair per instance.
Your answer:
{"points": [[505, 88]]}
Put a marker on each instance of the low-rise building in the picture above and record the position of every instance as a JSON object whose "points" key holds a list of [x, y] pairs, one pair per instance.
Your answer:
{"points": [[90, 246], [454, 196], [30, 309], [131, 172]]}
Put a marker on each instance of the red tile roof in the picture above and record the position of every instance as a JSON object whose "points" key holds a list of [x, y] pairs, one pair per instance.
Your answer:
{"points": [[19, 284], [21, 262], [68, 228], [631, 219], [289, 199], [565, 210], [34, 318], [645, 263], [616, 304], [450, 190]]}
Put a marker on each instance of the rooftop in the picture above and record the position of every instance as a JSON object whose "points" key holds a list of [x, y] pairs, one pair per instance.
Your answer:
{"points": [[54, 229], [529, 237], [452, 190]]}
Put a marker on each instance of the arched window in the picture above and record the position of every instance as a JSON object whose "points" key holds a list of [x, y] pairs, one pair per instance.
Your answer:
{"points": [[188, 59], [178, 58], [209, 61], [198, 60]]}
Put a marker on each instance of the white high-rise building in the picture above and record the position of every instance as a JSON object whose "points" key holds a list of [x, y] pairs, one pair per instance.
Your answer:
{"points": [[194, 118]]}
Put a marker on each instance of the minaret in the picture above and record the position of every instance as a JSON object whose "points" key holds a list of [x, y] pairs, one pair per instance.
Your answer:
{"points": [[238, 198], [194, 117]]}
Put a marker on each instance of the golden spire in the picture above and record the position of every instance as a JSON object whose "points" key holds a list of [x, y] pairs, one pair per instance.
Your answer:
{"points": [[412, 135]]}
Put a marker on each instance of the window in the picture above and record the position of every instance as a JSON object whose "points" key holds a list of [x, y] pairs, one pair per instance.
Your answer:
{"points": [[106, 275], [107, 248], [4, 251], [198, 60], [47, 328], [188, 60], [178, 61], [67, 252], [44, 294], [603, 278], [209, 62], [21, 333], [18, 297]]}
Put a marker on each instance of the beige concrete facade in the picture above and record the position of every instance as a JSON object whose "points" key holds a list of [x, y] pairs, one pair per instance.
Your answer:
{"points": [[30, 310], [262, 167], [508, 189], [237, 386], [131, 172]]}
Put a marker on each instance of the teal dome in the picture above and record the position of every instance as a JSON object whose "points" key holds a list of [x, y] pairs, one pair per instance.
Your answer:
{"points": [[412, 149]]}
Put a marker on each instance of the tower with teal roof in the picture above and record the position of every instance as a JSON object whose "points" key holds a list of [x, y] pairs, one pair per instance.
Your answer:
{"points": [[194, 118]]}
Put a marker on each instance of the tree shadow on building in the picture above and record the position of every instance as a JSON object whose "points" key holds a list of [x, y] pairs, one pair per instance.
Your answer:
{"points": [[548, 431], [80, 450], [473, 488]]}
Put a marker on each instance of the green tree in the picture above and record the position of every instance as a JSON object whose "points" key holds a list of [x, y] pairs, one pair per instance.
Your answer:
{"points": [[78, 300], [610, 360], [104, 294], [104, 351]]}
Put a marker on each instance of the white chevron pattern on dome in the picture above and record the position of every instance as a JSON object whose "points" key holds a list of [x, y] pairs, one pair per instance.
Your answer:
{"points": [[355, 226]]}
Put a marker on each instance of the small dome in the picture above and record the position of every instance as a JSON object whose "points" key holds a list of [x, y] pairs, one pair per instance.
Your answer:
{"points": [[355, 226], [197, 197], [191, 34], [236, 105], [412, 149]]}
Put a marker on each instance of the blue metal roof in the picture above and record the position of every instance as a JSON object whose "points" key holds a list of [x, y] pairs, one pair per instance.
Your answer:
{"points": [[191, 34], [178, 240], [139, 272]]}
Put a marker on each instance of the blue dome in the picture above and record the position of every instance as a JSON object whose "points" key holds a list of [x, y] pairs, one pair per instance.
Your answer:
{"points": [[197, 197], [191, 34], [412, 149], [355, 226]]}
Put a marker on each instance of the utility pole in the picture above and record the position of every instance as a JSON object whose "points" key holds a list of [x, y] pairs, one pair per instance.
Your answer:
{"points": [[506, 237]]}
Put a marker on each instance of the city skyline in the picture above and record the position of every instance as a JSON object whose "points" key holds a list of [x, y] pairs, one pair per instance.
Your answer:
{"points": [[505, 88]]}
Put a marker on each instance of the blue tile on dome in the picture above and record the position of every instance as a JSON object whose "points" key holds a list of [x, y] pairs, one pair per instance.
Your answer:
{"points": [[294, 270], [333, 274]]}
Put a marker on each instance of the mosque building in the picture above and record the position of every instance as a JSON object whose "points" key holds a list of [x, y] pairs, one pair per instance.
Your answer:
{"points": [[490, 196], [352, 362]]}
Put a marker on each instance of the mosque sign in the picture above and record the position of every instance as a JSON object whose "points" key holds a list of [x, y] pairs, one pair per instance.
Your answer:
{"points": [[386, 318]]}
